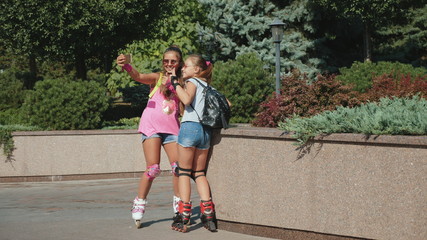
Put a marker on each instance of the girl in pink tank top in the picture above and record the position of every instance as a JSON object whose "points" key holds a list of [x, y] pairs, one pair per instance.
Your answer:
{"points": [[159, 125]]}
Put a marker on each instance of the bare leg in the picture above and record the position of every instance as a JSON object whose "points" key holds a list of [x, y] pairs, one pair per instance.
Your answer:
{"points": [[207, 207], [186, 155], [151, 148], [171, 150], [199, 164]]}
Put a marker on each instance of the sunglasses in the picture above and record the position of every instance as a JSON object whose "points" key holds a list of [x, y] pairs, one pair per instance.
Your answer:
{"points": [[172, 62]]}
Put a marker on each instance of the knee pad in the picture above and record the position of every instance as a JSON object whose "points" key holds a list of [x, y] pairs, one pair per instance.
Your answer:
{"points": [[152, 172], [174, 167], [200, 173], [184, 172]]}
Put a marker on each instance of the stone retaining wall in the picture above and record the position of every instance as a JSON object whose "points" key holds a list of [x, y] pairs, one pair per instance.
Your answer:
{"points": [[340, 186], [72, 155]]}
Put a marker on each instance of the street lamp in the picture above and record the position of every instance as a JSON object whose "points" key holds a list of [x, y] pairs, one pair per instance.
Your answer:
{"points": [[277, 31]]}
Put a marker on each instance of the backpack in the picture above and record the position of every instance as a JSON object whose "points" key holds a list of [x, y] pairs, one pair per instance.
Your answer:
{"points": [[217, 112]]}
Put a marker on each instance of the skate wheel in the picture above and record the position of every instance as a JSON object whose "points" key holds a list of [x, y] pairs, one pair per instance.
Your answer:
{"points": [[179, 229], [138, 224], [211, 226]]}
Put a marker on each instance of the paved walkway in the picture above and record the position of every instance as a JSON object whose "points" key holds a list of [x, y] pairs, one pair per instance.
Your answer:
{"points": [[94, 209]]}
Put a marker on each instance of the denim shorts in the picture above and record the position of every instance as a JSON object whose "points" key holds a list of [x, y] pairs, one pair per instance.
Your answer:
{"points": [[194, 134], [165, 137]]}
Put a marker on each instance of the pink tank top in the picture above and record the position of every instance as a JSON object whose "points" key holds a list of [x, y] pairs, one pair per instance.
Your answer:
{"points": [[160, 115]]}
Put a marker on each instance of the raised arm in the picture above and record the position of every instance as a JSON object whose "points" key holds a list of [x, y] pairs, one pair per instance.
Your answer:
{"points": [[186, 94], [145, 78]]}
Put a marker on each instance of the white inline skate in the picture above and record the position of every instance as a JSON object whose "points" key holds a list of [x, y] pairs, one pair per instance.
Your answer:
{"points": [[175, 206], [138, 211]]}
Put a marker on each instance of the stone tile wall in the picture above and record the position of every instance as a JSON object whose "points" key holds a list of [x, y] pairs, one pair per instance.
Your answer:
{"points": [[341, 186]]}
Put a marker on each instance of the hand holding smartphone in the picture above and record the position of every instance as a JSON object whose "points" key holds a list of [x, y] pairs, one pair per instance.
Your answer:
{"points": [[128, 59]]}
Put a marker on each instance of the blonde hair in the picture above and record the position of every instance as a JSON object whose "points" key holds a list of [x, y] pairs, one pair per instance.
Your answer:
{"points": [[205, 66]]}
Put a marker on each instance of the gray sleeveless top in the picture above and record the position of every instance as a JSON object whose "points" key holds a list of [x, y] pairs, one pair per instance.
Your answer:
{"points": [[198, 103]]}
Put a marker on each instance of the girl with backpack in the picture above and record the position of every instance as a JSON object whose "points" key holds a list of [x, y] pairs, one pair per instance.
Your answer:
{"points": [[159, 125], [193, 143]]}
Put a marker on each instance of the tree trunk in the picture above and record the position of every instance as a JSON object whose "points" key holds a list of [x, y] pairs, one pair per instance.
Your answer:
{"points": [[107, 62], [31, 81], [80, 63], [367, 44]]}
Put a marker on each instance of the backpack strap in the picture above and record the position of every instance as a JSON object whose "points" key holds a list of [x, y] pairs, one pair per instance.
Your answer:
{"points": [[159, 82], [203, 85]]}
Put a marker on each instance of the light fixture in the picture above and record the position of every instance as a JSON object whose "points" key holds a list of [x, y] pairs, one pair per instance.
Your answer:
{"points": [[277, 33]]}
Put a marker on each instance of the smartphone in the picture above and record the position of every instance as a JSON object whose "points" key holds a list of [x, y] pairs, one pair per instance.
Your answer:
{"points": [[128, 58]]}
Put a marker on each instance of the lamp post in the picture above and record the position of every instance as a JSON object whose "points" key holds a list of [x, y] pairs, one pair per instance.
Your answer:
{"points": [[277, 31]]}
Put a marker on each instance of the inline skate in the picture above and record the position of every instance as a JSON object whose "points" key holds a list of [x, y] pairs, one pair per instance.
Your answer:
{"points": [[208, 217], [138, 211], [183, 218], [175, 207]]}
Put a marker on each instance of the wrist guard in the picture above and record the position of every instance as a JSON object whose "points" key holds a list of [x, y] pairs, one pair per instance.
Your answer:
{"points": [[174, 80], [127, 67]]}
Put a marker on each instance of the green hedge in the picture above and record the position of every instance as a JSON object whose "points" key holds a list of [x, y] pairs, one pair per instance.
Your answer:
{"points": [[12, 94], [245, 83], [65, 104]]}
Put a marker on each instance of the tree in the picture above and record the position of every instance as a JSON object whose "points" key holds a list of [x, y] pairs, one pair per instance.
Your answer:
{"points": [[406, 41], [238, 27], [371, 13], [77, 30], [179, 28]]}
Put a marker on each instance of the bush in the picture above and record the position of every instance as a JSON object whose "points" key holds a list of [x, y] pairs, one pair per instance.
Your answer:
{"points": [[302, 99], [123, 123], [12, 94], [403, 86], [130, 105], [136, 95], [360, 75], [397, 116], [117, 111], [245, 83], [11, 116], [64, 104], [6, 142]]}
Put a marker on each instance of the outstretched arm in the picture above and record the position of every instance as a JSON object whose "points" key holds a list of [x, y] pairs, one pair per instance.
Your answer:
{"points": [[148, 78]]}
